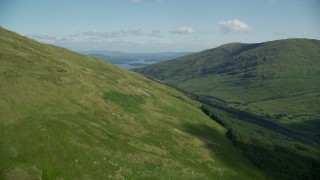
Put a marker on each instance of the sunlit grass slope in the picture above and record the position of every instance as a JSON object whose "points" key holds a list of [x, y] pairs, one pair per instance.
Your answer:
{"points": [[68, 116]]}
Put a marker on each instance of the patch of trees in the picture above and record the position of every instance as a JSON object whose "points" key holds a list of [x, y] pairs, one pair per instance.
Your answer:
{"points": [[277, 154]]}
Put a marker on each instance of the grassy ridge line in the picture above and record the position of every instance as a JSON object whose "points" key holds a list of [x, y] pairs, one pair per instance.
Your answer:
{"points": [[69, 116]]}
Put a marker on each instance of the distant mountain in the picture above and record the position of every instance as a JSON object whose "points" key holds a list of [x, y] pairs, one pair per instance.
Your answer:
{"points": [[134, 60], [64, 115], [266, 94], [277, 77]]}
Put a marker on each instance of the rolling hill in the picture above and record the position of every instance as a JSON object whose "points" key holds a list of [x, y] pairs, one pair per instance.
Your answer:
{"points": [[277, 78], [266, 94], [64, 115]]}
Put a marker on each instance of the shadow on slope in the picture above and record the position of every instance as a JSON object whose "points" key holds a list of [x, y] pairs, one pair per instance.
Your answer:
{"points": [[276, 161], [222, 151]]}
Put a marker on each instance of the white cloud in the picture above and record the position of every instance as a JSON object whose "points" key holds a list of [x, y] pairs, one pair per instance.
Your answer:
{"points": [[234, 26], [127, 39], [122, 33], [44, 36], [53, 39], [139, 32], [92, 33], [106, 34], [183, 30], [136, 35]]}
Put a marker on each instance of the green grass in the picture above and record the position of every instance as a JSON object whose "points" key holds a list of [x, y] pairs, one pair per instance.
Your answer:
{"points": [[130, 103], [69, 116]]}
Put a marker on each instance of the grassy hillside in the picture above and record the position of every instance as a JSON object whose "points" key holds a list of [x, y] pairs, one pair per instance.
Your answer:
{"points": [[267, 95], [276, 78], [68, 116]]}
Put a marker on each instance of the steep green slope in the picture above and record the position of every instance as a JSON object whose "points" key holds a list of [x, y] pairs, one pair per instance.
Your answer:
{"points": [[68, 116], [273, 78]]}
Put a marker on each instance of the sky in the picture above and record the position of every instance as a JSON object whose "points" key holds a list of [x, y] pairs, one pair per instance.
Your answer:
{"points": [[159, 25]]}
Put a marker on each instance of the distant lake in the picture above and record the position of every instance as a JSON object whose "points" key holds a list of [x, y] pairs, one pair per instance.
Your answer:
{"points": [[134, 60], [136, 64]]}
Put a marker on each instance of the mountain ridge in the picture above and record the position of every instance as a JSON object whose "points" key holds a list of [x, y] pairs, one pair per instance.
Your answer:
{"points": [[250, 72]]}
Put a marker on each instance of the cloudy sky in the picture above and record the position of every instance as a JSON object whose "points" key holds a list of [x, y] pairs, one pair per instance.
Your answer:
{"points": [[159, 25]]}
